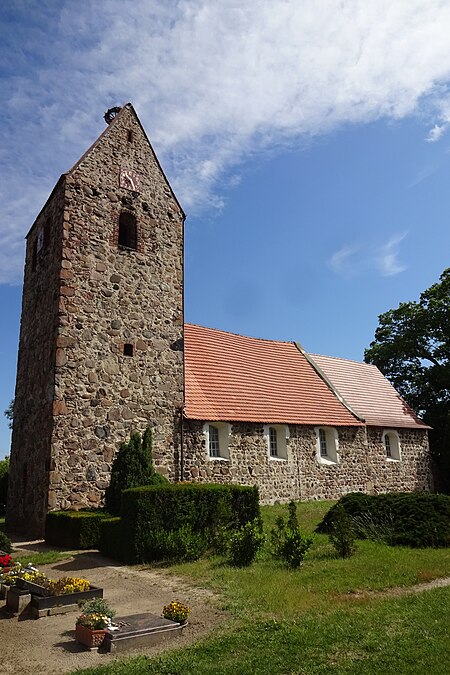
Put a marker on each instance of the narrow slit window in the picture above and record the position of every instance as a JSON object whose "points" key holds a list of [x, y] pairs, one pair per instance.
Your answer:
{"points": [[387, 445], [214, 445], [273, 442], [127, 230], [128, 349], [129, 136], [323, 443]]}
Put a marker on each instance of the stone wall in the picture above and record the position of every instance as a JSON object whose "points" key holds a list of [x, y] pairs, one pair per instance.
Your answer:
{"points": [[30, 464], [363, 466], [104, 297]]}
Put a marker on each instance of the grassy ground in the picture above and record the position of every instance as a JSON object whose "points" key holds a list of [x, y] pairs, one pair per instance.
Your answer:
{"points": [[331, 616]]}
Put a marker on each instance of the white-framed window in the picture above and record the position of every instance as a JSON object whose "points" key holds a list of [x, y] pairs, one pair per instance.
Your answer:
{"points": [[391, 443], [276, 438], [216, 439], [327, 445]]}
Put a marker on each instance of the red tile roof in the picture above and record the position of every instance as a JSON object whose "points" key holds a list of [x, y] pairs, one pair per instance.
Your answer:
{"points": [[368, 392], [236, 378]]}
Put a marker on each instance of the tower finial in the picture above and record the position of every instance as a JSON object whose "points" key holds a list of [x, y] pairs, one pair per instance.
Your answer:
{"points": [[111, 113]]}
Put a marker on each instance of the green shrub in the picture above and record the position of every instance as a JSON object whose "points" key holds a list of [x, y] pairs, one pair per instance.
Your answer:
{"points": [[204, 508], [111, 540], [342, 533], [4, 472], [5, 542], [244, 543], [132, 467], [74, 529], [97, 606], [404, 519], [287, 542], [180, 545]]}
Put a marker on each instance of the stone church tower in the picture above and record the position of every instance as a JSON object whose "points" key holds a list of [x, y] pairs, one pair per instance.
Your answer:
{"points": [[101, 339]]}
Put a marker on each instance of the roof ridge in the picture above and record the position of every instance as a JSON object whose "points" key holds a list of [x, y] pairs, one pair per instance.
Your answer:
{"points": [[342, 358], [249, 337]]}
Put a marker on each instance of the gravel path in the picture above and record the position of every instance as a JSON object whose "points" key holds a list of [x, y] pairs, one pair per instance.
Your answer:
{"points": [[47, 646]]}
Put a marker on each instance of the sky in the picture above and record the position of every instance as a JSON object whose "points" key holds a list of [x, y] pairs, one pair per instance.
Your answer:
{"points": [[309, 148]]}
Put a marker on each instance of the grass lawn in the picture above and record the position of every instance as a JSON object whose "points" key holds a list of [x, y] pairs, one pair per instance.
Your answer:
{"points": [[322, 618]]}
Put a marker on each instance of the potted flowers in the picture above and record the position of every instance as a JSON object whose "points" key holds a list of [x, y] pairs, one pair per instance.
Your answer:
{"points": [[5, 561], [176, 611], [92, 623]]}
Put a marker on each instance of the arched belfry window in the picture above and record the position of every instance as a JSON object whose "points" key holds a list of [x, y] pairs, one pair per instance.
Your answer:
{"points": [[127, 230]]}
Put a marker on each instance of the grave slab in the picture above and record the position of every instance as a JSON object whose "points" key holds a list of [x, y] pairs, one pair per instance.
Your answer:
{"points": [[140, 630]]}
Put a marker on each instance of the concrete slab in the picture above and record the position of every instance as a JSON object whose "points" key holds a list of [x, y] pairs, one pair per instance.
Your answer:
{"points": [[140, 630]]}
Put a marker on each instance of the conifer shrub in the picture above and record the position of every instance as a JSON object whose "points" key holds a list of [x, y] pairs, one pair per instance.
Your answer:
{"points": [[416, 519], [245, 543], [5, 542], [132, 467], [342, 533], [287, 541], [199, 508], [74, 529]]}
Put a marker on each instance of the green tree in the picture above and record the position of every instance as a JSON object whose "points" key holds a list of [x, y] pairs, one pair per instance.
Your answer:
{"points": [[412, 348], [9, 413], [132, 467], [4, 472]]}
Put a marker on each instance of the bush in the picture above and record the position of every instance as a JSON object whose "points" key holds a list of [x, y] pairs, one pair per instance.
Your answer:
{"points": [[245, 543], [111, 540], [74, 529], [403, 519], [181, 545], [132, 467], [4, 472], [287, 542], [97, 606], [342, 533], [204, 508], [5, 542]]}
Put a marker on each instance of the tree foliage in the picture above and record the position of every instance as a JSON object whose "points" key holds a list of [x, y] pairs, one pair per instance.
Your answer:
{"points": [[412, 348], [132, 467]]}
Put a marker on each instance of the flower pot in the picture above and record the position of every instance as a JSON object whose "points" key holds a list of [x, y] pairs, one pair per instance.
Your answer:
{"points": [[89, 638]]}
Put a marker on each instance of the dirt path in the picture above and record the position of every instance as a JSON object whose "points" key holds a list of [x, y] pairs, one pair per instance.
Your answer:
{"points": [[47, 646]]}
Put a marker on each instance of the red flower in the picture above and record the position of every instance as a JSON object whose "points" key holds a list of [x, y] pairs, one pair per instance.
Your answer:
{"points": [[5, 560]]}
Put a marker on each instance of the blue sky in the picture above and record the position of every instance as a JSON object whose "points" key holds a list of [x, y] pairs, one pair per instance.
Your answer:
{"points": [[309, 150]]}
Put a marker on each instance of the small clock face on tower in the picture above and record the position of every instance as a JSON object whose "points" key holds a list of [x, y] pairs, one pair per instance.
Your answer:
{"points": [[130, 180]]}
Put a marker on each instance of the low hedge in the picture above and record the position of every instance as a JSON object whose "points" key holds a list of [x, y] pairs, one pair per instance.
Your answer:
{"points": [[401, 519], [74, 529], [198, 510]]}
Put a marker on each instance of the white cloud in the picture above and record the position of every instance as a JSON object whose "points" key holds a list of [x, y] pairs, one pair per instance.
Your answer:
{"points": [[213, 82], [387, 259], [351, 260], [344, 263], [436, 132]]}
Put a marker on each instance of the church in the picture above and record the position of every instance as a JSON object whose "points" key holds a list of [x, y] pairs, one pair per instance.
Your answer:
{"points": [[104, 350]]}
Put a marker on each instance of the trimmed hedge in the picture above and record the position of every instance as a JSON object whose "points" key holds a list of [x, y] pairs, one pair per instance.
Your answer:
{"points": [[401, 519], [74, 529], [193, 508], [111, 539]]}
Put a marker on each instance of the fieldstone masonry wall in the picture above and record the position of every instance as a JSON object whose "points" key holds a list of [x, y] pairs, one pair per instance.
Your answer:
{"points": [[363, 466], [31, 464], [98, 298]]}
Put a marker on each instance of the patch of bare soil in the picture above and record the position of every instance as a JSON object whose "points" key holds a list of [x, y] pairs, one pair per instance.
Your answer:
{"points": [[47, 645], [399, 591]]}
